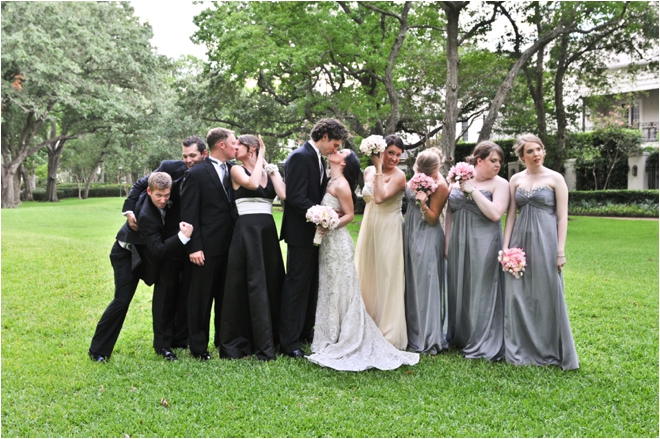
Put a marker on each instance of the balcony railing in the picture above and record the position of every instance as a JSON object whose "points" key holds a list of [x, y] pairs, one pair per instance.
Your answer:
{"points": [[649, 131]]}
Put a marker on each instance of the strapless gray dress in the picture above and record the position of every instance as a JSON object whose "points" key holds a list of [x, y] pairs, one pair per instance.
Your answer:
{"points": [[424, 247], [536, 326], [474, 280]]}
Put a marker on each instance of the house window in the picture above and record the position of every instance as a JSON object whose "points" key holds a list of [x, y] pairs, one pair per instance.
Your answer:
{"points": [[464, 130], [632, 114]]}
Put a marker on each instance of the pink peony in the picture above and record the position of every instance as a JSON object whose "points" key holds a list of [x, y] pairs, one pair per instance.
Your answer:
{"points": [[513, 261], [461, 171], [422, 183]]}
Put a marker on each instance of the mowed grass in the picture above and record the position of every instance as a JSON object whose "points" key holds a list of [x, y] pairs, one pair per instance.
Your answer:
{"points": [[57, 280]]}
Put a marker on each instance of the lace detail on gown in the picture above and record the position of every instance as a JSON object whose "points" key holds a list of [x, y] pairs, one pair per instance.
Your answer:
{"points": [[345, 337]]}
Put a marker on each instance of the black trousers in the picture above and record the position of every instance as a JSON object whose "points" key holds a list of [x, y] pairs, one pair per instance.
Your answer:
{"points": [[299, 297], [112, 320], [170, 303], [207, 284]]}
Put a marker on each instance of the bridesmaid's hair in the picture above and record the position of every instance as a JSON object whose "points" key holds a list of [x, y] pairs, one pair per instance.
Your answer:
{"points": [[250, 141], [395, 140], [352, 173], [519, 146], [483, 150], [428, 161]]}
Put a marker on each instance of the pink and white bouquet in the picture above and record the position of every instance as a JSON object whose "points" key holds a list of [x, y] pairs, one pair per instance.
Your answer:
{"points": [[513, 261], [460, 172], [373, 145], [324, 216], [422, 183]]}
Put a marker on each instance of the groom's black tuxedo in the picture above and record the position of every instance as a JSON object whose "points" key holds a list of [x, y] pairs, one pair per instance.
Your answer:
{"points": [[305, 187], [303, 190], [208, 206]]}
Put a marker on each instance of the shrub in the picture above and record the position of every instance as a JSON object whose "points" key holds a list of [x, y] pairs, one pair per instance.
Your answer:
{"points": [[70, 190], [615, 196], [623, 203]]}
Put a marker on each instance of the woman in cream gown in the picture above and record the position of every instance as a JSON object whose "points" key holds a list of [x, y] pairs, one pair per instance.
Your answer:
{"points": [[379, 251]]}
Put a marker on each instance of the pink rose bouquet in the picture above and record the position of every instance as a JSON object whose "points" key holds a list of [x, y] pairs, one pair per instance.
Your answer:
{"points": [[422, 183], [460, 172], [513, 261], [324, 216]]}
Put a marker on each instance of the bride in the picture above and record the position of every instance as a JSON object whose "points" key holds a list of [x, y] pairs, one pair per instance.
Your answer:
{"points": [[345, 336]]}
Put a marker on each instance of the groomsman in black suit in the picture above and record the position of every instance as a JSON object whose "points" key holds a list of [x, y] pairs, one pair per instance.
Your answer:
{"points": [[171, 289], [306, 181], [165, 252], [131, 262], [207, 202]]}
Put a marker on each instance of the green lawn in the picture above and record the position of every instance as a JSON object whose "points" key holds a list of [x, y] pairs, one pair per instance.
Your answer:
{"points": [[57, 280]]}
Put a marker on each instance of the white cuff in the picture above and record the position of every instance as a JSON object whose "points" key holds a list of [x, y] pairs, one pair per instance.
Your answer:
{"points": [[183, 238], [127, 212]]}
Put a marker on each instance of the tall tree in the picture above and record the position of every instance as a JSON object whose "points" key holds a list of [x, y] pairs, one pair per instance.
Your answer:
{"points": [[560, 18], [83, 67]]}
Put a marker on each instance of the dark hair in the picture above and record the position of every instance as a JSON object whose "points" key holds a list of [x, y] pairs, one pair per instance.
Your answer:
{"points": [[250, 141], [194, 140], [217, 135], [483, 150], [332, 127], [395, 140], [352, 173]]}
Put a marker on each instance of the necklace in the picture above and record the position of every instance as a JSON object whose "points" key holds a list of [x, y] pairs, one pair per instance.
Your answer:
{"points": [[333, 179]]}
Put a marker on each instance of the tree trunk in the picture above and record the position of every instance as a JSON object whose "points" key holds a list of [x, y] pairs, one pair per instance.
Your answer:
{"points": [[28, 179], [559, 103], [448, 139], [55, 150], [9, 197], [90, 177], [17, 183]]}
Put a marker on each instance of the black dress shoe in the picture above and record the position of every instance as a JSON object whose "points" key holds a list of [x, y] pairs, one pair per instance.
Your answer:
{"points": [[168, 354], [202, 356], [295, 354], [97, 357]]}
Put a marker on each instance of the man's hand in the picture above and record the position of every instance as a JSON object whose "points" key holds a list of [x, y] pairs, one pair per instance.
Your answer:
{"points": [[186, 229], [132, 221], [197, 258]]}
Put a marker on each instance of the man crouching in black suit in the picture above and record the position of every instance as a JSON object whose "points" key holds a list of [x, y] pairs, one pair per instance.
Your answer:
{"points": [[131, 261], [164, 251], [176, 272]]}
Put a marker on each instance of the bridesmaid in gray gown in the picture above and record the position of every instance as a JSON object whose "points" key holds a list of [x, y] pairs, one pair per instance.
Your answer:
{"points": [[474, 238], [536, 326], [424, 244]]}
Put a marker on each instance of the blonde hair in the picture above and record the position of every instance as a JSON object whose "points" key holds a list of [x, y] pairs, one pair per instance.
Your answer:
{"points": [[519, 146], [428, 161], [159, 181]]}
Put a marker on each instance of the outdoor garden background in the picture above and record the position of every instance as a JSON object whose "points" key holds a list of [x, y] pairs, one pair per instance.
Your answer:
{"points": [[89, 106]]}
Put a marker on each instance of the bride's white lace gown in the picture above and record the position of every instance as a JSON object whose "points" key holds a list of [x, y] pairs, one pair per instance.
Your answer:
{"points": [[345, 336]]}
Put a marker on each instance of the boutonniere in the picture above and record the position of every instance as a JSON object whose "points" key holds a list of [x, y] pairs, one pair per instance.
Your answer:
{"points": [[169, 204]]}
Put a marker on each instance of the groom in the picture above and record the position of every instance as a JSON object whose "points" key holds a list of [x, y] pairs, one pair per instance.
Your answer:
{"points": [[306, 181]]}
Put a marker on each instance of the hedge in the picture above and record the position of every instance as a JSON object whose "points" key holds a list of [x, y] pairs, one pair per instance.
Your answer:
{"points": [[71, 191], [627, 197]]}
